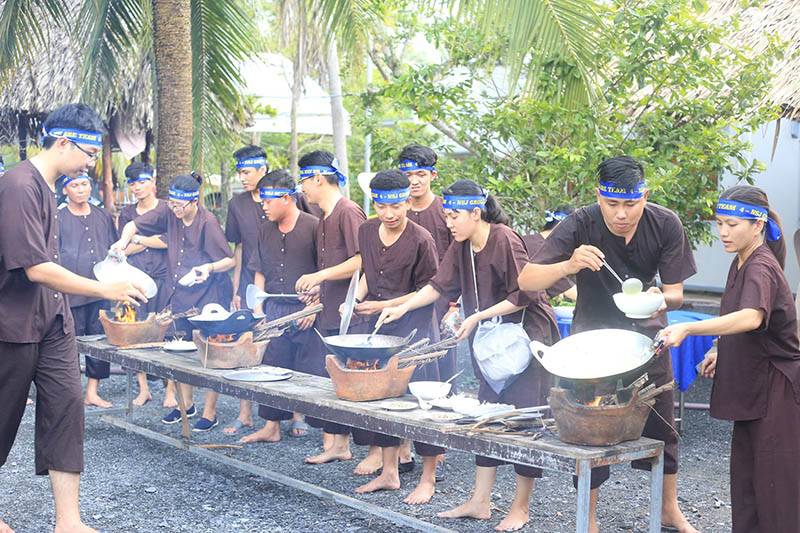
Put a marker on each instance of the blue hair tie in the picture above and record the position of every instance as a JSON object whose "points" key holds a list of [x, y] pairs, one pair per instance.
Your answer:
{"points": [[252, 162], [392, 196], [177, 194], [407, 165], [268, 193], [67, 180], [734, 208], [611, 190], [312, 170], [92, 138], [464, 202], [144, 176]]}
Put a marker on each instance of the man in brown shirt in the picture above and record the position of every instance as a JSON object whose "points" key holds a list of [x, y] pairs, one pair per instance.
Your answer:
{"points": [[639, 240], [337, 258], [37, 342]]}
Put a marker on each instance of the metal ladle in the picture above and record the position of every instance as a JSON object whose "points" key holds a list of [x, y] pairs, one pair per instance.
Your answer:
{"points": [[630, 285]]}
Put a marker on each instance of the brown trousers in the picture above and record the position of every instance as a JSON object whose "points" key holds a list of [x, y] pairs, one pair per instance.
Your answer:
{"points": [[765, 465], [52, 365]]}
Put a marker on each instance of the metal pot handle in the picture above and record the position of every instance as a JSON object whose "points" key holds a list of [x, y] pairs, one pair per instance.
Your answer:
{"points": [[539, 351]]}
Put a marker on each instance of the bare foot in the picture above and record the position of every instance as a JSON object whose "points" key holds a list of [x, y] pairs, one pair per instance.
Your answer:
{"points": [[5, 528], [593, 527], [371, 463], [677, 520], [233, 430], [80, 527], [333, 454], [265, 434], [421, 494], [142, 399], [470, 509], [514, 520], [97, 401], [327, 441], [382, 482]]}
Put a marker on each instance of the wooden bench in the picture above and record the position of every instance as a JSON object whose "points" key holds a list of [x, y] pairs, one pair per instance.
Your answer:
{"points": [[314, 396]]}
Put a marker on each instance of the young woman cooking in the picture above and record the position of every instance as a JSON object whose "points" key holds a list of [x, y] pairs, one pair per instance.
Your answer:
{"points": [[485, 250], [756, 369], [195, 243]]}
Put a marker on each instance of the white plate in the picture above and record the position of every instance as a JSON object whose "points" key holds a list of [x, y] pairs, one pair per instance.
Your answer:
{"points": [[259, 374], [399, 405], [442, 418], [180, 346], [486, 409], [189, 279]]}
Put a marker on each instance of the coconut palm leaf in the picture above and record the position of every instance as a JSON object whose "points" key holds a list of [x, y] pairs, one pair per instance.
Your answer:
{"points": [[222, 38], [539, 31], [24, 28], [115, 34], [349, 20]]}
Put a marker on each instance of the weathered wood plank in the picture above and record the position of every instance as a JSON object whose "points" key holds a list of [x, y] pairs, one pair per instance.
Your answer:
{"points": [[314, 396]]}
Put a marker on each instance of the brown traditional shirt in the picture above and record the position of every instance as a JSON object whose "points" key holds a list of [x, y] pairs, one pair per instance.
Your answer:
{"points": [[741, 379], [151, 261], [432, 219], [659, 246], [245, 217], [533, 243], [28, 237], [337, 241], [84, 242]]}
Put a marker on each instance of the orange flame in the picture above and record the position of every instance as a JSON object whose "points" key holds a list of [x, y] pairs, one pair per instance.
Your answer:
{"points": [[125, 313], [355, 364]]}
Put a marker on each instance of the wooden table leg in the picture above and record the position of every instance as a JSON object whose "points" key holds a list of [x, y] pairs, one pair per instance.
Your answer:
{"points": [[584, 491], [129, 393], [656, 491], [184, 418]]}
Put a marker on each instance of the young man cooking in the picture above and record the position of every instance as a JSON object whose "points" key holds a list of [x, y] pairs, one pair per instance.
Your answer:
{"points": [[638, 239], [37, 339], [287, 249], [337, 259], [245, 217], [86, 232], [398, 257]]}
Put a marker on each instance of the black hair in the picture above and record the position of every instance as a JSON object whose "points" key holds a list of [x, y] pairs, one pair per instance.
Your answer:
{"points": [[187, 182], [278, 179], [75, 116], [388, 180], [250, 151], [136, 168], [622, 171], [319, 158], [566, 209], [423, 155], [492, 212], [755, 196]]}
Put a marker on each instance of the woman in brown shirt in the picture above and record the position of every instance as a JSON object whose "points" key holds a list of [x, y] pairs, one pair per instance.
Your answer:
{"points": [[483, 239], [195, 243], [756, 369]]}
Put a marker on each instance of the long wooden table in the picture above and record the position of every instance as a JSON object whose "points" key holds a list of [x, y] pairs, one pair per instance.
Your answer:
{"points": [[314, 396]]}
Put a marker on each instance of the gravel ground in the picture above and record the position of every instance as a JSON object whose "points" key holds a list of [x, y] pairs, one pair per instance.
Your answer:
{"points": [[134, 484]]}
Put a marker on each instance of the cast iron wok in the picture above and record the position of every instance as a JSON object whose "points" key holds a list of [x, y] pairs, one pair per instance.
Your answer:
{"points": [[234, 324], [355, 346]]}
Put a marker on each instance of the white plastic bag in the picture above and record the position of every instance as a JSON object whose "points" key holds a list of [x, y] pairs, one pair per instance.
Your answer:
{"points": [[501, 350]]}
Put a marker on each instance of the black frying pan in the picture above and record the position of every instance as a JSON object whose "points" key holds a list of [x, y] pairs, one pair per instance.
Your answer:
{"points": [[355, 346]]}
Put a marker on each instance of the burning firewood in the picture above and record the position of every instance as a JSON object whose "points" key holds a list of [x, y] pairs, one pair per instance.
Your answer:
{"points": [[356, 364], [124, 312]]}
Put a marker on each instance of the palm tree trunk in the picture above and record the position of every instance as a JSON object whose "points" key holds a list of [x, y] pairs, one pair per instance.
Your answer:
{"points": [[108, 177], [299, 66], [172, 47], [337, 110]]}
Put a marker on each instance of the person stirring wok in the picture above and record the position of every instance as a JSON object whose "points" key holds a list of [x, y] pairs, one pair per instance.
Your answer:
{"points": [[756, 369], [638, 239]]}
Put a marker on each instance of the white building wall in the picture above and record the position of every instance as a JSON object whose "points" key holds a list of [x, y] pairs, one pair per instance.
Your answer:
{"points": [[781, 181]]}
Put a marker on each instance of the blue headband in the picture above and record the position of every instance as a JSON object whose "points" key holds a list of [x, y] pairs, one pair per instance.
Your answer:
{"points": [[312, 170], [409, 164], [733, 208], [177, 194], [610, 190], [92, 138], [464, 202], [393, 196], [252, 162], [267, 193], [144, 176], [68, 180], [552, 216]]}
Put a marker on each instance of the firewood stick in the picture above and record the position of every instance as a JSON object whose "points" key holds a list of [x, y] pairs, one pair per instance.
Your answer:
{"points": [[655, 392]]}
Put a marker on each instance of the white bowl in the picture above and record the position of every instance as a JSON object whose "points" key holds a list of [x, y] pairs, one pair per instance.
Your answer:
{"points": [[640, 305], [564, 311], [429, 390]]}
